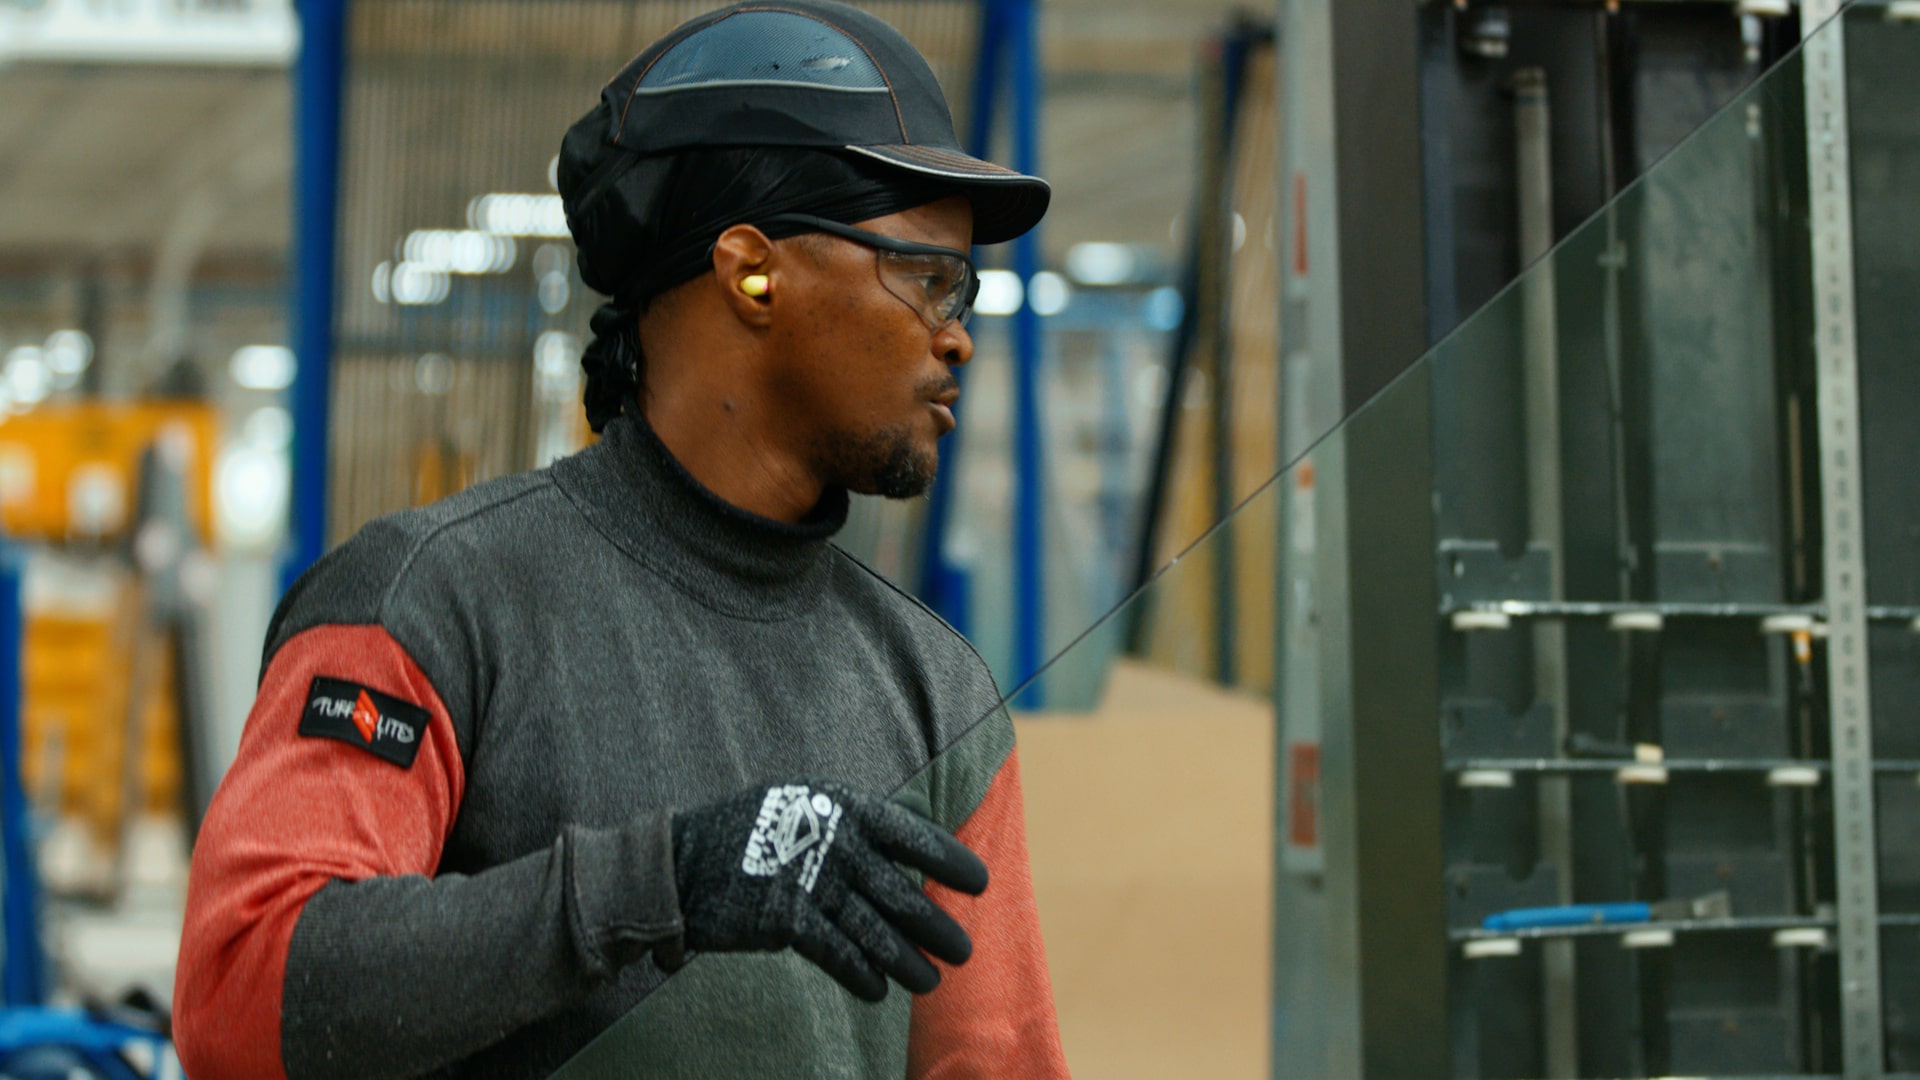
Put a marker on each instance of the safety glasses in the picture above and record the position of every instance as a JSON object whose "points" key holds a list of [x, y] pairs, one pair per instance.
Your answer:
{"points": [[939, 283]]}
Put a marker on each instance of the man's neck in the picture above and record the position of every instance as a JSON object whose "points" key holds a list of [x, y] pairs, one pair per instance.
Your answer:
{"points": [[721, 447]]}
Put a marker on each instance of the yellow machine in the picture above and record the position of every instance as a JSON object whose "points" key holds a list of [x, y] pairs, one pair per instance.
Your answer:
{"points": [[70, 471], [97, 676]]}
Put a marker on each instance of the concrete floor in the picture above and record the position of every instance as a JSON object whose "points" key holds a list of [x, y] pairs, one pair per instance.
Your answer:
{"points": [[1150, 825]]}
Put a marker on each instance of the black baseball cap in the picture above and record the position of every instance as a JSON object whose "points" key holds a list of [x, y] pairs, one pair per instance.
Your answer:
{"points": [[790, 73]]}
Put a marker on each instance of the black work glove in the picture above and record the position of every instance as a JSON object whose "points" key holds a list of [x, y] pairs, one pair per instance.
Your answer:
{"points": [[811, 865]]}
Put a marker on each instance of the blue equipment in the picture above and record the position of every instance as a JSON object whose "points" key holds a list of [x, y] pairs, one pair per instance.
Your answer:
{"points": [[68, 1044], [36, 1042]]}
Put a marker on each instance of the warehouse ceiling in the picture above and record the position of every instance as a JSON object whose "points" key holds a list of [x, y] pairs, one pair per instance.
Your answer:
{"points": [[126, 162]]}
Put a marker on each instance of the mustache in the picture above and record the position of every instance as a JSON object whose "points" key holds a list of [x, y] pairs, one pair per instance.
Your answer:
{"points": [[938, 385]]}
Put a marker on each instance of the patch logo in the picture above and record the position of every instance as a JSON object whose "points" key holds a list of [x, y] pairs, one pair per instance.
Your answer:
{"points": [[794, 823], [366, 717], [384, 726]]}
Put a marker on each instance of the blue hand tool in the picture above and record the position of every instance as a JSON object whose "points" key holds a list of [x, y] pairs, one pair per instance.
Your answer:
{"points": [[1716, 905]]}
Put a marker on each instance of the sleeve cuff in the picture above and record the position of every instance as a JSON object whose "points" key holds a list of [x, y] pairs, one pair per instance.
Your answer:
{"points": [[625, 899]]}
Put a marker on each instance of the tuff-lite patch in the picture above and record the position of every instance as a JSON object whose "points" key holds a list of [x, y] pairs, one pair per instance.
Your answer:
{"points": [[384, 726]]}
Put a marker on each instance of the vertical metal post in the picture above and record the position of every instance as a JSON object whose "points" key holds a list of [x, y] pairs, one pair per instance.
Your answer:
{"points": [[1533, 139], [318, 85], [1373, 922], [1848, 685], [23, 967], [1146, 551], [1217, 307], [1213, 243], [1316, 1012], [1029, 450], [942, 585]]}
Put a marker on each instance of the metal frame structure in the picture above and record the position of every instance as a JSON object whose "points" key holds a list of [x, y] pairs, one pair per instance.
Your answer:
{"points": [[1353, 320], [1719, 592], [318, 83], [1203, 340], [23, 975], [1856, 851]]}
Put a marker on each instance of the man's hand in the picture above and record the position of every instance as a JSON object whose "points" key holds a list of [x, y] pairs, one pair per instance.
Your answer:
{"points": [[811, 865]]}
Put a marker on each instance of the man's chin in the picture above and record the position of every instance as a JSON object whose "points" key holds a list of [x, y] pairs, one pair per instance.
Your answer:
{"points": [[903, 476], [897, 485], [890, 464]]}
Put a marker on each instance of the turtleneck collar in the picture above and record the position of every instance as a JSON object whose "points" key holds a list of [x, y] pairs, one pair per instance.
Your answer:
{"points": [[632, 489]]}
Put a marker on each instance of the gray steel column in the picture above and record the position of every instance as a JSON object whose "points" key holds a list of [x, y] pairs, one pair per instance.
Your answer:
{"points": [[1855, 849], [1373, 920], [1533, 129]]}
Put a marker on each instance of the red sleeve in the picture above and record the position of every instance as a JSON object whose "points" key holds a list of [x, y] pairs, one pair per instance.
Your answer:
{"points": [[294, 813], [992, 1016]]}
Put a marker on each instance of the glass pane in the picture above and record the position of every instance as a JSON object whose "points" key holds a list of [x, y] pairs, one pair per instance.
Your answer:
{"points": [[1539, 604], [1550, 613], [1883, 90]]}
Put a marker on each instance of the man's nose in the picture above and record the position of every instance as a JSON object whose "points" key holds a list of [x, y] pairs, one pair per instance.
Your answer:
{"points": [[953, 344]]}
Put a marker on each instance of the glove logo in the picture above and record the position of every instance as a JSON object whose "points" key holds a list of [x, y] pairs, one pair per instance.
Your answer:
{"points": [[794, 823]]}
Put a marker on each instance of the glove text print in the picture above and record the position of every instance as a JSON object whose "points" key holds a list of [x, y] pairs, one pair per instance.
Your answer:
{"points": [[794, 821], [819, 868]]}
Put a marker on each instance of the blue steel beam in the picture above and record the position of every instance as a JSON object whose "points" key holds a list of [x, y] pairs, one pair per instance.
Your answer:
{"points": [[23, 968], [1029, 451], [318, 85], [943, 586]]}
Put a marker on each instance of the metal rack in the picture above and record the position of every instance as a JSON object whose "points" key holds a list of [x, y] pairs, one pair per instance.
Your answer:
{"points": [[1655, 494]]}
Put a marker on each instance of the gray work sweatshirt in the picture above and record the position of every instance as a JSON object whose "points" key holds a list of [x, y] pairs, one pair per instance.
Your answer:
{"points": [[538, 672]]}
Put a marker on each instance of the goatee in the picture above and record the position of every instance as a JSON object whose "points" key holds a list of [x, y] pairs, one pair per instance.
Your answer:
{"points": [[886, 463]]}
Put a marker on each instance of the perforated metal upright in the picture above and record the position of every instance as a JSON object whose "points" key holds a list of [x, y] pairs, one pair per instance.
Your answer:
{"points": [[1856, 853]]}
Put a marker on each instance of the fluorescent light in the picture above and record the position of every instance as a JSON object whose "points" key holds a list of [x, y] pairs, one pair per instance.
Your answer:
{"points": [[554, 291], [412, 283], [556, 365], [459, 251], [263, 367], [1048, 293], [1101, 263], [251, 492], [28, 380], [555, 352], [68, 352], [258, 33], [1000, 293], [519, 215]]}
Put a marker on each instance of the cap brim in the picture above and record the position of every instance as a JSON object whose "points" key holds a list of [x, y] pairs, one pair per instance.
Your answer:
{"points": [[1005, 203]]}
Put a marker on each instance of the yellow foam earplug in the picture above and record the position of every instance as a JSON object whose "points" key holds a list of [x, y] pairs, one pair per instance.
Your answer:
{"points": [[755, 285]]}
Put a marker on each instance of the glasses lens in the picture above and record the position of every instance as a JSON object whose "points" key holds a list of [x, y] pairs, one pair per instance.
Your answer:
{"points": [[939, 287]]}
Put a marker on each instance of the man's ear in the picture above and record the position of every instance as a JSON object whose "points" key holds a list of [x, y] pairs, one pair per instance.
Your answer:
{"points": [[745, 271]]}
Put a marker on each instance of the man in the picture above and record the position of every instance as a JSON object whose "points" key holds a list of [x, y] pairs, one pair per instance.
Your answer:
{"points": [[620, 767]]}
